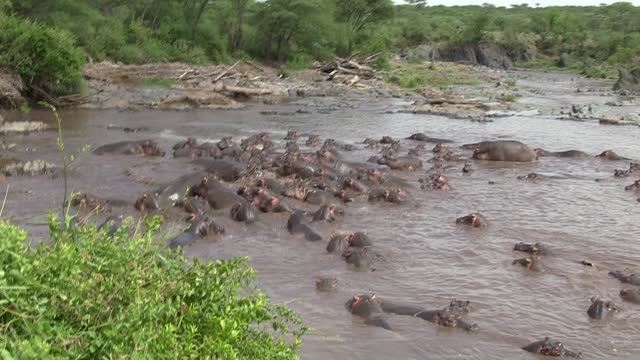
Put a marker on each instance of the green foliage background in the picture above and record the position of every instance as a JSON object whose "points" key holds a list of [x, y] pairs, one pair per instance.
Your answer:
{"points": [[591, 39]]}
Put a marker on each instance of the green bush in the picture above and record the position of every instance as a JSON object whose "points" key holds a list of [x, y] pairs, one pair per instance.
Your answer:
{"points": [[89, 296], [43, 56]]}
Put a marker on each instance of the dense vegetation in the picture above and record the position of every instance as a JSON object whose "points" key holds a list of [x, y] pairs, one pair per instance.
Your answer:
{"points": [[299, 31], [87, 295]]}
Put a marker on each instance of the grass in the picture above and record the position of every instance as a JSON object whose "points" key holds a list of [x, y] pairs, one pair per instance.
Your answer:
{"points": [[594, 72], [419, 75], [158, 82], [508, 98]]}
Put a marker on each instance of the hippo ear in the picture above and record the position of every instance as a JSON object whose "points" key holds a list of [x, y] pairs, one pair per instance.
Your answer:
{"points": [[356, 299], [593, 299], [373, 295]]}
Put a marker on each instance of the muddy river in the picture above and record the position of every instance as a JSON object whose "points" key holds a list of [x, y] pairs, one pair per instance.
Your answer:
{"points": [[427, 259]]}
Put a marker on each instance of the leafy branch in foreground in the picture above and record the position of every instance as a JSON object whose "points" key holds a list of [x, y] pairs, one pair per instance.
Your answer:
{"points": [[66, 160], [87, 295]]}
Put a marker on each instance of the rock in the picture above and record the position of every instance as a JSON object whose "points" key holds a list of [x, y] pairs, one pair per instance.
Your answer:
{"points": [[499, 113], [198, 98], [626, 119], [1, 119], [15, 167], [491, 55], [23, 127], [11, 87], [628, 81]]}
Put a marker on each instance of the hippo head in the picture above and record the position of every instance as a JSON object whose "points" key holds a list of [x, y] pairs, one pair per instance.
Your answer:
{"points": [[635, 186], [150, 148], [551, 348], [326, 284], [606, 154], [147, 202], [526, 262], [86, 200], [359, 299], [480, 154], [201, 189]]}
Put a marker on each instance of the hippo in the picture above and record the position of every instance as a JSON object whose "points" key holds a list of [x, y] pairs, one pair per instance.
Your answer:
{"points": [[473, 146], [292, 135], [190, 142], [217, 195], [139, 147], [188, 153], [340, 242], [504, 150], [353, 184], [425, 138], [112, 224], [226, 142], [92, 202], [326, 284], [227, 170], [533, 177], [449, 316], [575, 154], [271, 203], [357, 257], [200, 227], [409, 163], [535, 249], [147, 202], [320, 197], [313, 140], [467, 169], [630, 295], [397, 196], [635, 186], [633, 279], [548, 347], [243, 211], [599, 309], [531, 263], [366, 307], [325, 213], [295, 225], [610, 155], [174, 190], [474, 220]]}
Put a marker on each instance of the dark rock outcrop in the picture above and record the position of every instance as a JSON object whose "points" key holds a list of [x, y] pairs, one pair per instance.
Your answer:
{"points": [[628, 81]]}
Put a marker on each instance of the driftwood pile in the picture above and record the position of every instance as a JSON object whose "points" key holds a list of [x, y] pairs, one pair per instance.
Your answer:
{"points": [[349, 71]]}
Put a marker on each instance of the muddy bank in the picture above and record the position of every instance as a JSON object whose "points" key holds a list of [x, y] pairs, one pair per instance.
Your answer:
{"points": [[177, 86]]}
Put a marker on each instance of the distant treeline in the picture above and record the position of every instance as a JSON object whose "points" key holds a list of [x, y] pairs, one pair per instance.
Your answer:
{"points": [[297, 32]]}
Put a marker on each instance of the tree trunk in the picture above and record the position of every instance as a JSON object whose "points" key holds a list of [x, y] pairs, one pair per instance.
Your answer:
{"points": [[194, 28]]}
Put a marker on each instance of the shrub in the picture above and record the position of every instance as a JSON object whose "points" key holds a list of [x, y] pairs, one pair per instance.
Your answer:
{"points": [[90, 296], [43, 56]]}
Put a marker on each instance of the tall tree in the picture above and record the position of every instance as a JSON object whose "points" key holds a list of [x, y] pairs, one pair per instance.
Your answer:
{"points": [[358, 14], [238, 9]]}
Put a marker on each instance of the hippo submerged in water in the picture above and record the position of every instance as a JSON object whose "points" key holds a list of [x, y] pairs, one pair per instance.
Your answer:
{"points": [[549, 347], [504, 150], [371, 308], [140, 147]]}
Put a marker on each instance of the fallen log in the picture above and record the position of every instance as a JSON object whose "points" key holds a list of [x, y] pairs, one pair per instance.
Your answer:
{"points": [[245, 90], [222, 74], [440, 101]]}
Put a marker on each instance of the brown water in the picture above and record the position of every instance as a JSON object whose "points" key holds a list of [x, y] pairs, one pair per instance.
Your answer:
{"points": [[428, 259]]}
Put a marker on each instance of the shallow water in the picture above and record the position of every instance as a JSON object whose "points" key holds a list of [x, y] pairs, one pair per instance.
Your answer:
{"points": [[428, 260]]}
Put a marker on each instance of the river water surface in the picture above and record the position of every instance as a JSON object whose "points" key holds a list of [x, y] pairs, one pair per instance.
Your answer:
{"points": [[428, 260]]}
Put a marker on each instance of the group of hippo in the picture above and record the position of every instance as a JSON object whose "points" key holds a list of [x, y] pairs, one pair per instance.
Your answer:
{"points": [[251, 178]]}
